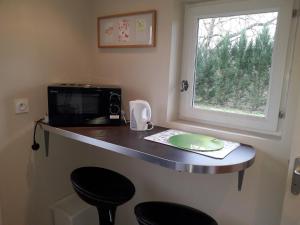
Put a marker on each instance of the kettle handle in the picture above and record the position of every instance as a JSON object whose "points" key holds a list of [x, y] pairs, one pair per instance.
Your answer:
{"points": [[148, 108]]}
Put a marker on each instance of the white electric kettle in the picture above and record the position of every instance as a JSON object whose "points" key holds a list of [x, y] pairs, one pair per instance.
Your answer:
{"points": [[140, 115]]}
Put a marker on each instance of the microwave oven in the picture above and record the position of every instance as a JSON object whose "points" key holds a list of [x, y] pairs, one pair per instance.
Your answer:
{"points": [[84, 105]]}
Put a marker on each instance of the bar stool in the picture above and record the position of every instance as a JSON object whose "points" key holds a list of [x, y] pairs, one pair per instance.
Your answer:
{"points": [[164, 213], [102, 188]]}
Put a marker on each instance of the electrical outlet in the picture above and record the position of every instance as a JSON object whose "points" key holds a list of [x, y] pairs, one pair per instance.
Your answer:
{"points": [[21, 105]]}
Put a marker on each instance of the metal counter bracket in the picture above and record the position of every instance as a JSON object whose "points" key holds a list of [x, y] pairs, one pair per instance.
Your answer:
{"points": [[46, 139], [240, 180]]}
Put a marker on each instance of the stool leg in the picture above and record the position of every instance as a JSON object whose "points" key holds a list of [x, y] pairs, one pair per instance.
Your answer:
{"points": [[106, 215]]}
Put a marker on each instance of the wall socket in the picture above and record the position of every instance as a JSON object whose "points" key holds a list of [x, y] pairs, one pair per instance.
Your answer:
{"points": [[21, 105]]}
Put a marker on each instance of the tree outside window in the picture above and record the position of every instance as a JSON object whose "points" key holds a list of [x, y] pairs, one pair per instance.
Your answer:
{"points": [[233, 61]]}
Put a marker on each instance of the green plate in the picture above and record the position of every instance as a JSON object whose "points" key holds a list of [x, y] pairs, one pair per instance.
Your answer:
{"points": [[196, 142]]}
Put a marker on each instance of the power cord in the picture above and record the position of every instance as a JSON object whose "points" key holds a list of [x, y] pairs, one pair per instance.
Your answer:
{"points": [[35, 146], [123, 114]]}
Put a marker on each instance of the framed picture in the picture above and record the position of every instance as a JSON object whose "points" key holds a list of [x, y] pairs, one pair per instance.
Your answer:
{"points": [[130, 30]]}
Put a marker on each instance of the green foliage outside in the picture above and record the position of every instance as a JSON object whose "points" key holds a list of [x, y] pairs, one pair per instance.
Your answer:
{"points": [[234, 75]]}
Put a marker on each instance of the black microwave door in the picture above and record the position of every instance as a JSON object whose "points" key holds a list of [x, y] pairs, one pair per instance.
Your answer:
{"points": [[94, 109], [73, 108]]}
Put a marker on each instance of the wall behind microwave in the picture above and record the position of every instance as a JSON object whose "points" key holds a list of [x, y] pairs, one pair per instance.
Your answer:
{"points": [[40, 42]]}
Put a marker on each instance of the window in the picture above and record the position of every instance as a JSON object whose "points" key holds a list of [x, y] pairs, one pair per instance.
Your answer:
{"points": [[234, 57]]}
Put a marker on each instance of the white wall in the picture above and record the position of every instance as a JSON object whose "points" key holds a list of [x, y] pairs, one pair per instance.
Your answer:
{"points": [[142, 72], [291, 214], [54, 40], [40, 42]]}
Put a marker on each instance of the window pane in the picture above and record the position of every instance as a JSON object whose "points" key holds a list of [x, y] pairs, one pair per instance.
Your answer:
{"points": [[233, 63]]}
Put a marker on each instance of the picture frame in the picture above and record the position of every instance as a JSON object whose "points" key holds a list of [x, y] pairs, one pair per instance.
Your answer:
{"points": [[128, 30]]}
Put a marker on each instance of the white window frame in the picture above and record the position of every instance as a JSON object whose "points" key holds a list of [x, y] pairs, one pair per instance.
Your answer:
{"points": [[193, 12]]}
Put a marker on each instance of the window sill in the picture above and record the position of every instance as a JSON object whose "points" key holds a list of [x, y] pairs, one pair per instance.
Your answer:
{"points": [[241, 136]]}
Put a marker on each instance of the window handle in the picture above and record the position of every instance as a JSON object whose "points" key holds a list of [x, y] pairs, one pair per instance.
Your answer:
{"points": [[184, 85], [297, 171], [295, 186]]}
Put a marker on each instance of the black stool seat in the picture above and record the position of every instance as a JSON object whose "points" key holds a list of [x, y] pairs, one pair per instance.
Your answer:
{"points": [[102, 188], [164, 213], [102, 185]]}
